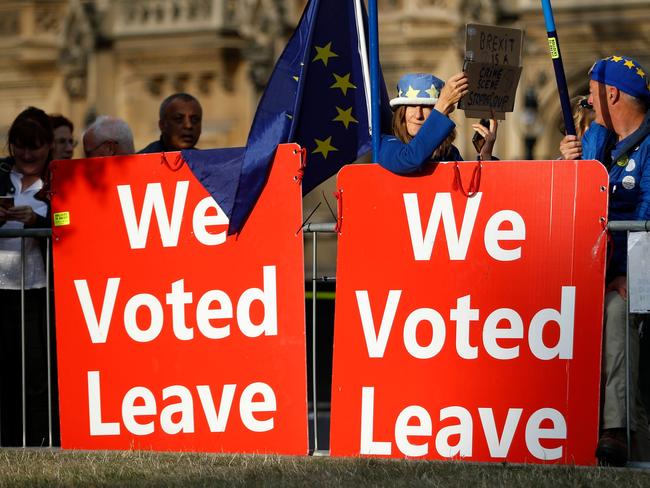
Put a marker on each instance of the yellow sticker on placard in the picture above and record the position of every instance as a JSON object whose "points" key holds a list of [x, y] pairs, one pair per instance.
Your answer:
{"points": [[61, 218], [552, 45]]}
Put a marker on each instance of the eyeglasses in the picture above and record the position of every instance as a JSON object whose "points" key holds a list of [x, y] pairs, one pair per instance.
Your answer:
{"points": [[90, 152], [63, 141]]}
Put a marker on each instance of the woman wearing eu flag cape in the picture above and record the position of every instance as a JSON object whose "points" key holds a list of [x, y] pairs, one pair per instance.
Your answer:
{"points": [[423, 131]]}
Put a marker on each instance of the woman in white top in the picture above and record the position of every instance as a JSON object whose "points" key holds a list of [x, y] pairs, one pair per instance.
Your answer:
{"points": [[24, 204]]}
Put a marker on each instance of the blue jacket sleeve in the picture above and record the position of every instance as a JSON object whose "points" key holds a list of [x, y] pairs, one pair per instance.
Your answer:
{"points": [[401, 158], [594, 142]]}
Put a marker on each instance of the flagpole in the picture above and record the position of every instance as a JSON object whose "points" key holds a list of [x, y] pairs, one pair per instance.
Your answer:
{"points": [[373, 35], [560, 78]]}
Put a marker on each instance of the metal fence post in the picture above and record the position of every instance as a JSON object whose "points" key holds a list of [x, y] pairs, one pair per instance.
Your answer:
{"points": [[22, 338], [48, 267], [315, 228], [314, 268], [628, 432]]}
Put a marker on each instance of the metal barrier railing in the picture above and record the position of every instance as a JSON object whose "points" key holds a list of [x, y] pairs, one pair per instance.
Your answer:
{"points": [[330, 227], [47, 235], [629, 226], [314, 229]]}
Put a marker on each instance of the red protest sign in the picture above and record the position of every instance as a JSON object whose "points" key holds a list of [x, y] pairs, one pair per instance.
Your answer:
{"points": [[470, 328], [171, 335]]}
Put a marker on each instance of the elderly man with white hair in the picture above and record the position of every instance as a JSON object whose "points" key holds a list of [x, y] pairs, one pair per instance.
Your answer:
{"points": [[108, 136]]}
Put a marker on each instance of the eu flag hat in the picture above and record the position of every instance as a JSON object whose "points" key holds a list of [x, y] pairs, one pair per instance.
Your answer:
{"points": [[625, 74], [417, 89]]}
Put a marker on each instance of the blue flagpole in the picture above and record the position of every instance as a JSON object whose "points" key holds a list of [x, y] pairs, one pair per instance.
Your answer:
{"points": [[560, 78], [373, 34]]}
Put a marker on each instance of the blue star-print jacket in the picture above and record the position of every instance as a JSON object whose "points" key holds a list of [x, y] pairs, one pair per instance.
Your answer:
{"points": [[402, 158], [629, 182]]}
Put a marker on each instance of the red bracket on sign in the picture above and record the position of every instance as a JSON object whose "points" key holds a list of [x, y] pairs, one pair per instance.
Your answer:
{"points": [[176, 165], [474, 183], [303, 165], [339, 210]]}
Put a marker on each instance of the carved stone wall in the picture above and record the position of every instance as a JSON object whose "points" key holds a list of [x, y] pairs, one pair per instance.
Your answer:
{"points": [[84, 58], [416, 37], [88, 57]]}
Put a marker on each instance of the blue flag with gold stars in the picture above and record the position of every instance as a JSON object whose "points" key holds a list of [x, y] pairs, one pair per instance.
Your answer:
{"points": [[317, 96]]}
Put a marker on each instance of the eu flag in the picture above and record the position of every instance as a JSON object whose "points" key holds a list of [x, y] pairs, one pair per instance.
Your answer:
{"points": [[318, 96]]}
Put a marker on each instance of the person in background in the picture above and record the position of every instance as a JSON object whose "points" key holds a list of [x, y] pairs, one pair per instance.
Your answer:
{"points": [[583, 115], [179, 120], [108, 136], [619, 137], [422, 129], [24, 203], [64, 142]]}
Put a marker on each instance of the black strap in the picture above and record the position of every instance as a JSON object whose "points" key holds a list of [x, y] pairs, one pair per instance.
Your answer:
{"points": [[634, 139]]}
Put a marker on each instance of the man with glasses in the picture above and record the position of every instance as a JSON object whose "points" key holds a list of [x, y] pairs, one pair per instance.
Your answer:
{"points": [[108, 136], [64, 143]]}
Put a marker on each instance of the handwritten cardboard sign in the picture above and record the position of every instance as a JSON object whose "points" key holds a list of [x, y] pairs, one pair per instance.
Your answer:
{"points": [[493, 66]]}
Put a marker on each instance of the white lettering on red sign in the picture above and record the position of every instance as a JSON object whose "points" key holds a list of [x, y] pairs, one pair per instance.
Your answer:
{"points": [[169, 227], [422, 240], [414, 421], [463, 315], [139, 405], [213, 305]]}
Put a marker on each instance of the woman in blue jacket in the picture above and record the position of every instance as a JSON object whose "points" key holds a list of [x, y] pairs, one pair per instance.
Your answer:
{"points": [[422, 130]]}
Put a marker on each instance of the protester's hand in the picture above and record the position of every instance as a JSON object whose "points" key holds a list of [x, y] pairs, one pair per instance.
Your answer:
{"points": [[490, 136], [618, 284], [455, 88], [571, 148], [22, 213]]}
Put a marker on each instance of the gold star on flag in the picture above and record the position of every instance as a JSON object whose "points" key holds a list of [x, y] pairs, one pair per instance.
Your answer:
{"points": [[296, 78], [629, 63], [324, 53], [640, 72], [433, 91], [616, 59], [345, 117], [412, 92], [324, 147], [342, 82]]}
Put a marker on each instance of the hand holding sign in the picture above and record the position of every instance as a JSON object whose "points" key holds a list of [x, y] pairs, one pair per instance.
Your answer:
{"points": [[487, 135], [455, 88]]}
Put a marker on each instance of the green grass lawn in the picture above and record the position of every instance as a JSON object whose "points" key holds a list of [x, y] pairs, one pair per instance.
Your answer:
{"points": [[45, 467]]}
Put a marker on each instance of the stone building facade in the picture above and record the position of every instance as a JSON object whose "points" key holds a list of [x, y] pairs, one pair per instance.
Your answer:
{"points": [[428, 35], [121, 57], [82, 58]]}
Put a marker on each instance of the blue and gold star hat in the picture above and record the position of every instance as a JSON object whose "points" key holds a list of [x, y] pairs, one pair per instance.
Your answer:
{"points": [[417, 89], [625, 74]]}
